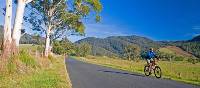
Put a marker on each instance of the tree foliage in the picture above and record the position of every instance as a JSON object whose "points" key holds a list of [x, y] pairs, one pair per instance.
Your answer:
{"points": [[83, 49], [63, 46], [62, 14], [132, 52]]}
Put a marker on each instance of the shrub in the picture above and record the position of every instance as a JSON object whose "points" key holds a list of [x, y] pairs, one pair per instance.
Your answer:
{"points": [[193, 60], [179, 58]]}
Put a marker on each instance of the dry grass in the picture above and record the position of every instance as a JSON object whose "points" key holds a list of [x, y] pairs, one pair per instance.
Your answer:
{"points": [[179, 51], [36, 73]]}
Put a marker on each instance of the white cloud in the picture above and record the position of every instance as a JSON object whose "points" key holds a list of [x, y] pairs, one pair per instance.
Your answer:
{"points": [[197, 34], [100, 31], [74, 38], [196, 28]]}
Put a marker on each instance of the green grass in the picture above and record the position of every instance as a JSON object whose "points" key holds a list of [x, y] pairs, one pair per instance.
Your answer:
{"points": [[27, 59], [54, 76], [31, 47], [177, 70], [28, 71]]}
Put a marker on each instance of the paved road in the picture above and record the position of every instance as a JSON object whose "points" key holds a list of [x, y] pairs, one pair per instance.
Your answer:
{"points": [[85, 75]]}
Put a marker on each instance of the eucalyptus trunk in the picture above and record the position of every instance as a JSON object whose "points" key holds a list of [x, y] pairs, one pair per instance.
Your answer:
{"points": [[18, 24], [48, 31], [7, 30], [47, 42]]}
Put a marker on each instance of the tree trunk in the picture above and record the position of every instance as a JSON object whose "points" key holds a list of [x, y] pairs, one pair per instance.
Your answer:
{"points": [[47, 42], [18, 25], [7, 34]]}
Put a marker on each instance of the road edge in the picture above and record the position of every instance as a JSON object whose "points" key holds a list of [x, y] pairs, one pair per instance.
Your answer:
{"points": [[67, 73]]}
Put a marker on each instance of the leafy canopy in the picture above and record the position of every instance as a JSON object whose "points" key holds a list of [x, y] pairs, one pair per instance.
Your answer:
{"points": [[62, 14]]}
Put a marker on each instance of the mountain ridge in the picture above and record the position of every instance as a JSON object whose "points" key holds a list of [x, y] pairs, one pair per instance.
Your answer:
{"points": [[116, 44]]}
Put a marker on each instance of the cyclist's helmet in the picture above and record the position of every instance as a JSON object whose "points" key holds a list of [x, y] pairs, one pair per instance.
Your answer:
{"points": [[151, 49]]}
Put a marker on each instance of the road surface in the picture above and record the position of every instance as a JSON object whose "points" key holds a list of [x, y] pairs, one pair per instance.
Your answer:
{"points": [[85, 75]]}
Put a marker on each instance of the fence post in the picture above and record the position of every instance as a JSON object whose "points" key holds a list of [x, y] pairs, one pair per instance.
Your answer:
{"points": [[179, 75]]}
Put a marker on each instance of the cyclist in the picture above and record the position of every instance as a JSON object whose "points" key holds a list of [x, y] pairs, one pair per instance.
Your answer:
{"points": [[151, 55]]}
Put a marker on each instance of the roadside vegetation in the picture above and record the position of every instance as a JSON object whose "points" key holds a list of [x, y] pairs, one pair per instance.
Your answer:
{"points": [[30, 69]]}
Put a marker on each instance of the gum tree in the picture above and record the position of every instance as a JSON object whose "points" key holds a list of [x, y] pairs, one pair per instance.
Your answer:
{"points": [[52, 16], [16, 34], [7, 29]]}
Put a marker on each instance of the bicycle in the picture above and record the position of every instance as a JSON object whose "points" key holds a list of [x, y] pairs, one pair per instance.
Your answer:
{"points": [[157, 70]]}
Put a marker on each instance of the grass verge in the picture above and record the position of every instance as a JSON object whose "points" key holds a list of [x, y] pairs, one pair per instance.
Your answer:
{"points": [[53, 75]]}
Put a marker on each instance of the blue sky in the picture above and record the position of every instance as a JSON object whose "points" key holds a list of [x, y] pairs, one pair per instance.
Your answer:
{"points": [[156, 19]]}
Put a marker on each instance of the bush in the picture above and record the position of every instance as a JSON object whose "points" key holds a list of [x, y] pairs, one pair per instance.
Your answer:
{"points": [[193, 60], [179, 58], [58, 50], [27, 59], [198, 59]]}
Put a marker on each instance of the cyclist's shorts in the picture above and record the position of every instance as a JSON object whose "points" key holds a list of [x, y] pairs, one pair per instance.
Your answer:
{"points": [[149, 60]]}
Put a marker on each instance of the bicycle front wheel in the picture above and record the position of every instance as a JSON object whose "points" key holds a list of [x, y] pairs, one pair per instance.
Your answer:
{"points": [[158, 72]]}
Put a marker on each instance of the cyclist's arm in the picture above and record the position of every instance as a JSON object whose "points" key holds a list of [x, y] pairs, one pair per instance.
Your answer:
{"points": [[155, 56]]}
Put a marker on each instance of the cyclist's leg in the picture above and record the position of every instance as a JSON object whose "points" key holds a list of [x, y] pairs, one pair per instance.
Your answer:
{"points": [[148, 62], [151, 64], [152, 61]]}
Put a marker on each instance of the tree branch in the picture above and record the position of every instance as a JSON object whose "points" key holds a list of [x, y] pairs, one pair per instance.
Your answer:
{"points": [[28, 1]]}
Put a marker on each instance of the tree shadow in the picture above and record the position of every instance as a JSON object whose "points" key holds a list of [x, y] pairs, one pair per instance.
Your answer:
{"points": [[119, 72]]}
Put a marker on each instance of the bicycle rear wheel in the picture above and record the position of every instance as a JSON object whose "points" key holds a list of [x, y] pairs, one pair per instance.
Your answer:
{"points": [[158, 72], [146, 71]]}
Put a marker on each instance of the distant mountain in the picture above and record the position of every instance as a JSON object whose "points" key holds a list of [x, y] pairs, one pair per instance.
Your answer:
{"points": [[25, 39], [192, 47], [195, 39], [30, 39], [115, 45]]}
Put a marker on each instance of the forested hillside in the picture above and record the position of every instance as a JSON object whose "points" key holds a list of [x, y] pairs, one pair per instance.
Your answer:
{"points": [[190, 47], [31, 39], [115, 45]]}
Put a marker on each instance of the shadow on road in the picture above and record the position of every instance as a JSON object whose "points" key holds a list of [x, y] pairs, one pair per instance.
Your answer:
{"points": [[118, 72]]}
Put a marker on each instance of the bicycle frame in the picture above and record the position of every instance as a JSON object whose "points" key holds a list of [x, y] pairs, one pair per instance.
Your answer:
{"points": [[153, 67], [153, 64]]}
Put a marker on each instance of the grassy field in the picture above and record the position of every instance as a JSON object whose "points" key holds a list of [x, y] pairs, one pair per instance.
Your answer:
{"points": [[178, 70], [30, 72]]}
